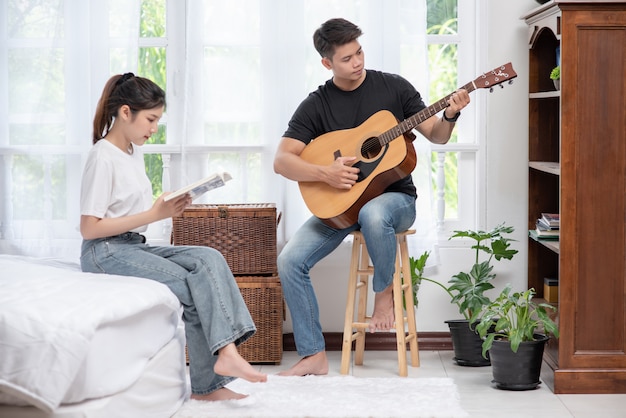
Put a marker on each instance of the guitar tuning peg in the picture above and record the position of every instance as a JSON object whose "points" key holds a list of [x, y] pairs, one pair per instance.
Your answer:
{"points": [[501, 86], [510, 81], [490, 89]]}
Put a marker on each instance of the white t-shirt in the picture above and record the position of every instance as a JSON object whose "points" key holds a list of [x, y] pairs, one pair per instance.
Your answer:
{"points": [[115, 183]]}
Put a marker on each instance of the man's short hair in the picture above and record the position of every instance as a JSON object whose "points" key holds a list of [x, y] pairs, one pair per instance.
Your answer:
{"points": [[334, 33]]}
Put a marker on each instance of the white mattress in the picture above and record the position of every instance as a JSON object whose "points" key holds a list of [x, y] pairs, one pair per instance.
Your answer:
{"points": [[68, 337], [159, 392]]}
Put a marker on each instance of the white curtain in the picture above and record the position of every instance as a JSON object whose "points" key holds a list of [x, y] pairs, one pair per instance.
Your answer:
{"points": [[55, 58], [232, 66]]}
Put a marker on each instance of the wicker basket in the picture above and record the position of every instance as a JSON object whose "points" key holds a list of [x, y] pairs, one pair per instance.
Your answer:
{"points": [[264, 298], [245, 234]]}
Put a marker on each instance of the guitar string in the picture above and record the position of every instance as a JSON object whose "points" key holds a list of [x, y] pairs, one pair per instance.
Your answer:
{"points": [[409, 123]]}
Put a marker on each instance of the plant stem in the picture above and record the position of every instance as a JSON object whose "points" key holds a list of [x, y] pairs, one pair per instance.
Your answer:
{"points": [[438, 284]]}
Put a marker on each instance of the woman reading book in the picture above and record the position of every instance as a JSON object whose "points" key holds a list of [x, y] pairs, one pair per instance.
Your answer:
{"points": [[116, 207]]}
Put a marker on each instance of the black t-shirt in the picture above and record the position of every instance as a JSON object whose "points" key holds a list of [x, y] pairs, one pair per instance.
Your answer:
{"points": [[330, 109]]}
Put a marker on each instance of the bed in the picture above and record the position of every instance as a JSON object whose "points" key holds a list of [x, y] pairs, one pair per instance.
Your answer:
{"points": [[76, 344]]}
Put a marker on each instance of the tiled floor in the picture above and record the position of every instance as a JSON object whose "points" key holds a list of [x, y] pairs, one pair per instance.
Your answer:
{"points": [[478, 397]]}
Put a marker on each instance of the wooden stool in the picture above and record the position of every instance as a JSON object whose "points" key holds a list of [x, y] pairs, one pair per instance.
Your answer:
{"points": [[360, 270]]}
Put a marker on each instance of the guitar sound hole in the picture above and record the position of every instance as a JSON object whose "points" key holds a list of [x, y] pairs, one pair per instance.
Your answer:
{"points": [[371, 148]]}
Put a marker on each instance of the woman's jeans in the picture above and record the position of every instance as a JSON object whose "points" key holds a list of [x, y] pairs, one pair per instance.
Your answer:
{"points": [[379, 220], [214, 311]]}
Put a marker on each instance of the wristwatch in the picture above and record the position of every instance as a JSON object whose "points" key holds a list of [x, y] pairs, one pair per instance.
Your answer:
{"points": [[453, 118]]}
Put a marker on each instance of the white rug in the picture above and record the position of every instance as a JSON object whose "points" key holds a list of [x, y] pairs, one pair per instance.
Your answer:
{"points": [[336, 397]]}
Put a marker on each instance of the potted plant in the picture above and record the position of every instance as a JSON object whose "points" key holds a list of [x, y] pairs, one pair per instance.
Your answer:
{"points": [[467, 288], [555, 76], [515, 330]]}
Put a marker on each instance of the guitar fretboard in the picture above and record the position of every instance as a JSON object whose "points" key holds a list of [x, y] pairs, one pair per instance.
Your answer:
{"points": [[411, 122]]}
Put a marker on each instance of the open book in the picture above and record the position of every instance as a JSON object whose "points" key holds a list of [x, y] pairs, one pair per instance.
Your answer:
{"points": [[201, 186]]}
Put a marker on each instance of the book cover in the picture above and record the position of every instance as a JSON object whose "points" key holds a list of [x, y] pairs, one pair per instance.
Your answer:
{"points": [[550, 234], [551, 219], [201, 186], [544, 226]]}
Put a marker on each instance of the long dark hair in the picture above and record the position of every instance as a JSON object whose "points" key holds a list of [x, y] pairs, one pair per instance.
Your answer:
{"points": [[334, 33], [124, 89]]}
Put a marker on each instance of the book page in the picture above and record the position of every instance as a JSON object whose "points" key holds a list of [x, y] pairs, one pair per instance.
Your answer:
{"points": [[201, 186]]}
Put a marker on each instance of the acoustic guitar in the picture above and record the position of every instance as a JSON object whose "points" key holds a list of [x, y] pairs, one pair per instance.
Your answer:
{"points": [[384, 151]]}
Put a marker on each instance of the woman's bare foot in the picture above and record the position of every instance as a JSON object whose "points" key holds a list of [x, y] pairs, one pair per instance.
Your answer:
{"points": [[222, 394], [383, 317], [230, 363], [316, 364]]}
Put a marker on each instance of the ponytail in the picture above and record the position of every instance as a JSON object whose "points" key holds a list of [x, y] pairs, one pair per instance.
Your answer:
{"points": [[138, 93]]}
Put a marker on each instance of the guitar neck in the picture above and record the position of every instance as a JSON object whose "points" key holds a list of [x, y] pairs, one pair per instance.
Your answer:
{"points": [[411, 122]]}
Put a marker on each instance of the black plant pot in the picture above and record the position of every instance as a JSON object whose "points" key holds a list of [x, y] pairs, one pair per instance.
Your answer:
{"points": [[467, 344], [517, 371]]}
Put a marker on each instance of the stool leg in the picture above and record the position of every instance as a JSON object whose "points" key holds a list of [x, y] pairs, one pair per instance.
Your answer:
{"points": [[399, 318], [362, 286], [409, 303], [346, 348]]}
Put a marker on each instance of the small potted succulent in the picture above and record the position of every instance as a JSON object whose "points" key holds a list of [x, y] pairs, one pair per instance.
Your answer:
{"points": [[555, 76]]}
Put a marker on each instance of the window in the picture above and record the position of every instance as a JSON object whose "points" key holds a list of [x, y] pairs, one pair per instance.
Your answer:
{"points": [[233, 71], [451, 57]]}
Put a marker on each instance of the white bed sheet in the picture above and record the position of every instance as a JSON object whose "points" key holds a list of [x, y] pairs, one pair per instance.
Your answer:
{"points": [[68, 336], [159, 392]]}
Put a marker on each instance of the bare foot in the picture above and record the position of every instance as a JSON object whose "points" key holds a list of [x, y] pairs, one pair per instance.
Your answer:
{"points": [[230, 363], [383, 317], [316, 364], [222, 394]]}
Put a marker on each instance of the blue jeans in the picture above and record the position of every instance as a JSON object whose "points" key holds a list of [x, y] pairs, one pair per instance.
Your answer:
{"points": [[379, 220], [214, 311]]}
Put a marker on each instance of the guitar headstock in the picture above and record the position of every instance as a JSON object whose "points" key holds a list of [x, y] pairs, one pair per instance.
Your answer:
{"points": [[496, 76]]}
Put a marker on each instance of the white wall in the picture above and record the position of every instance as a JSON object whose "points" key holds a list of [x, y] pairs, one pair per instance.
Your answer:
{"points": [[504, 178]]}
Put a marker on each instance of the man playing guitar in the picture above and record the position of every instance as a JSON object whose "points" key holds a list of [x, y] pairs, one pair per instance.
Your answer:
{"points": [[347, 100]]}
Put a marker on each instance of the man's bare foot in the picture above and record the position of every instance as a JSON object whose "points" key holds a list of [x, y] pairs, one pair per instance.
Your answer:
{"points": [[316, 364], [230, 363], [222, 394], [383, 317]]}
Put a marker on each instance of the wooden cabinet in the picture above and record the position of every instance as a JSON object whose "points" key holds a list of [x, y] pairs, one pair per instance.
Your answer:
{"points": [[577, 167]]}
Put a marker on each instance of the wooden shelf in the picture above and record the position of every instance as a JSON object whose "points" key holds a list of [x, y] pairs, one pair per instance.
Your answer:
{"points": [[574, 169], [552, 244], [545, 95], [546, 167]]}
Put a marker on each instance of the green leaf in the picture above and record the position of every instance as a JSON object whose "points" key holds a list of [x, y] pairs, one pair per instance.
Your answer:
{"points": [[488, 343], [417, 266], [500, 249]]}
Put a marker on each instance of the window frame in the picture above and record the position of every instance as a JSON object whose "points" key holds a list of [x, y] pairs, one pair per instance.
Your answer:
{"points": [[180, 62]]}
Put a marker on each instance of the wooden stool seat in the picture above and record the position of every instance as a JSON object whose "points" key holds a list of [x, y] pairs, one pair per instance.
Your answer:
{"points": [[356, 328]]}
